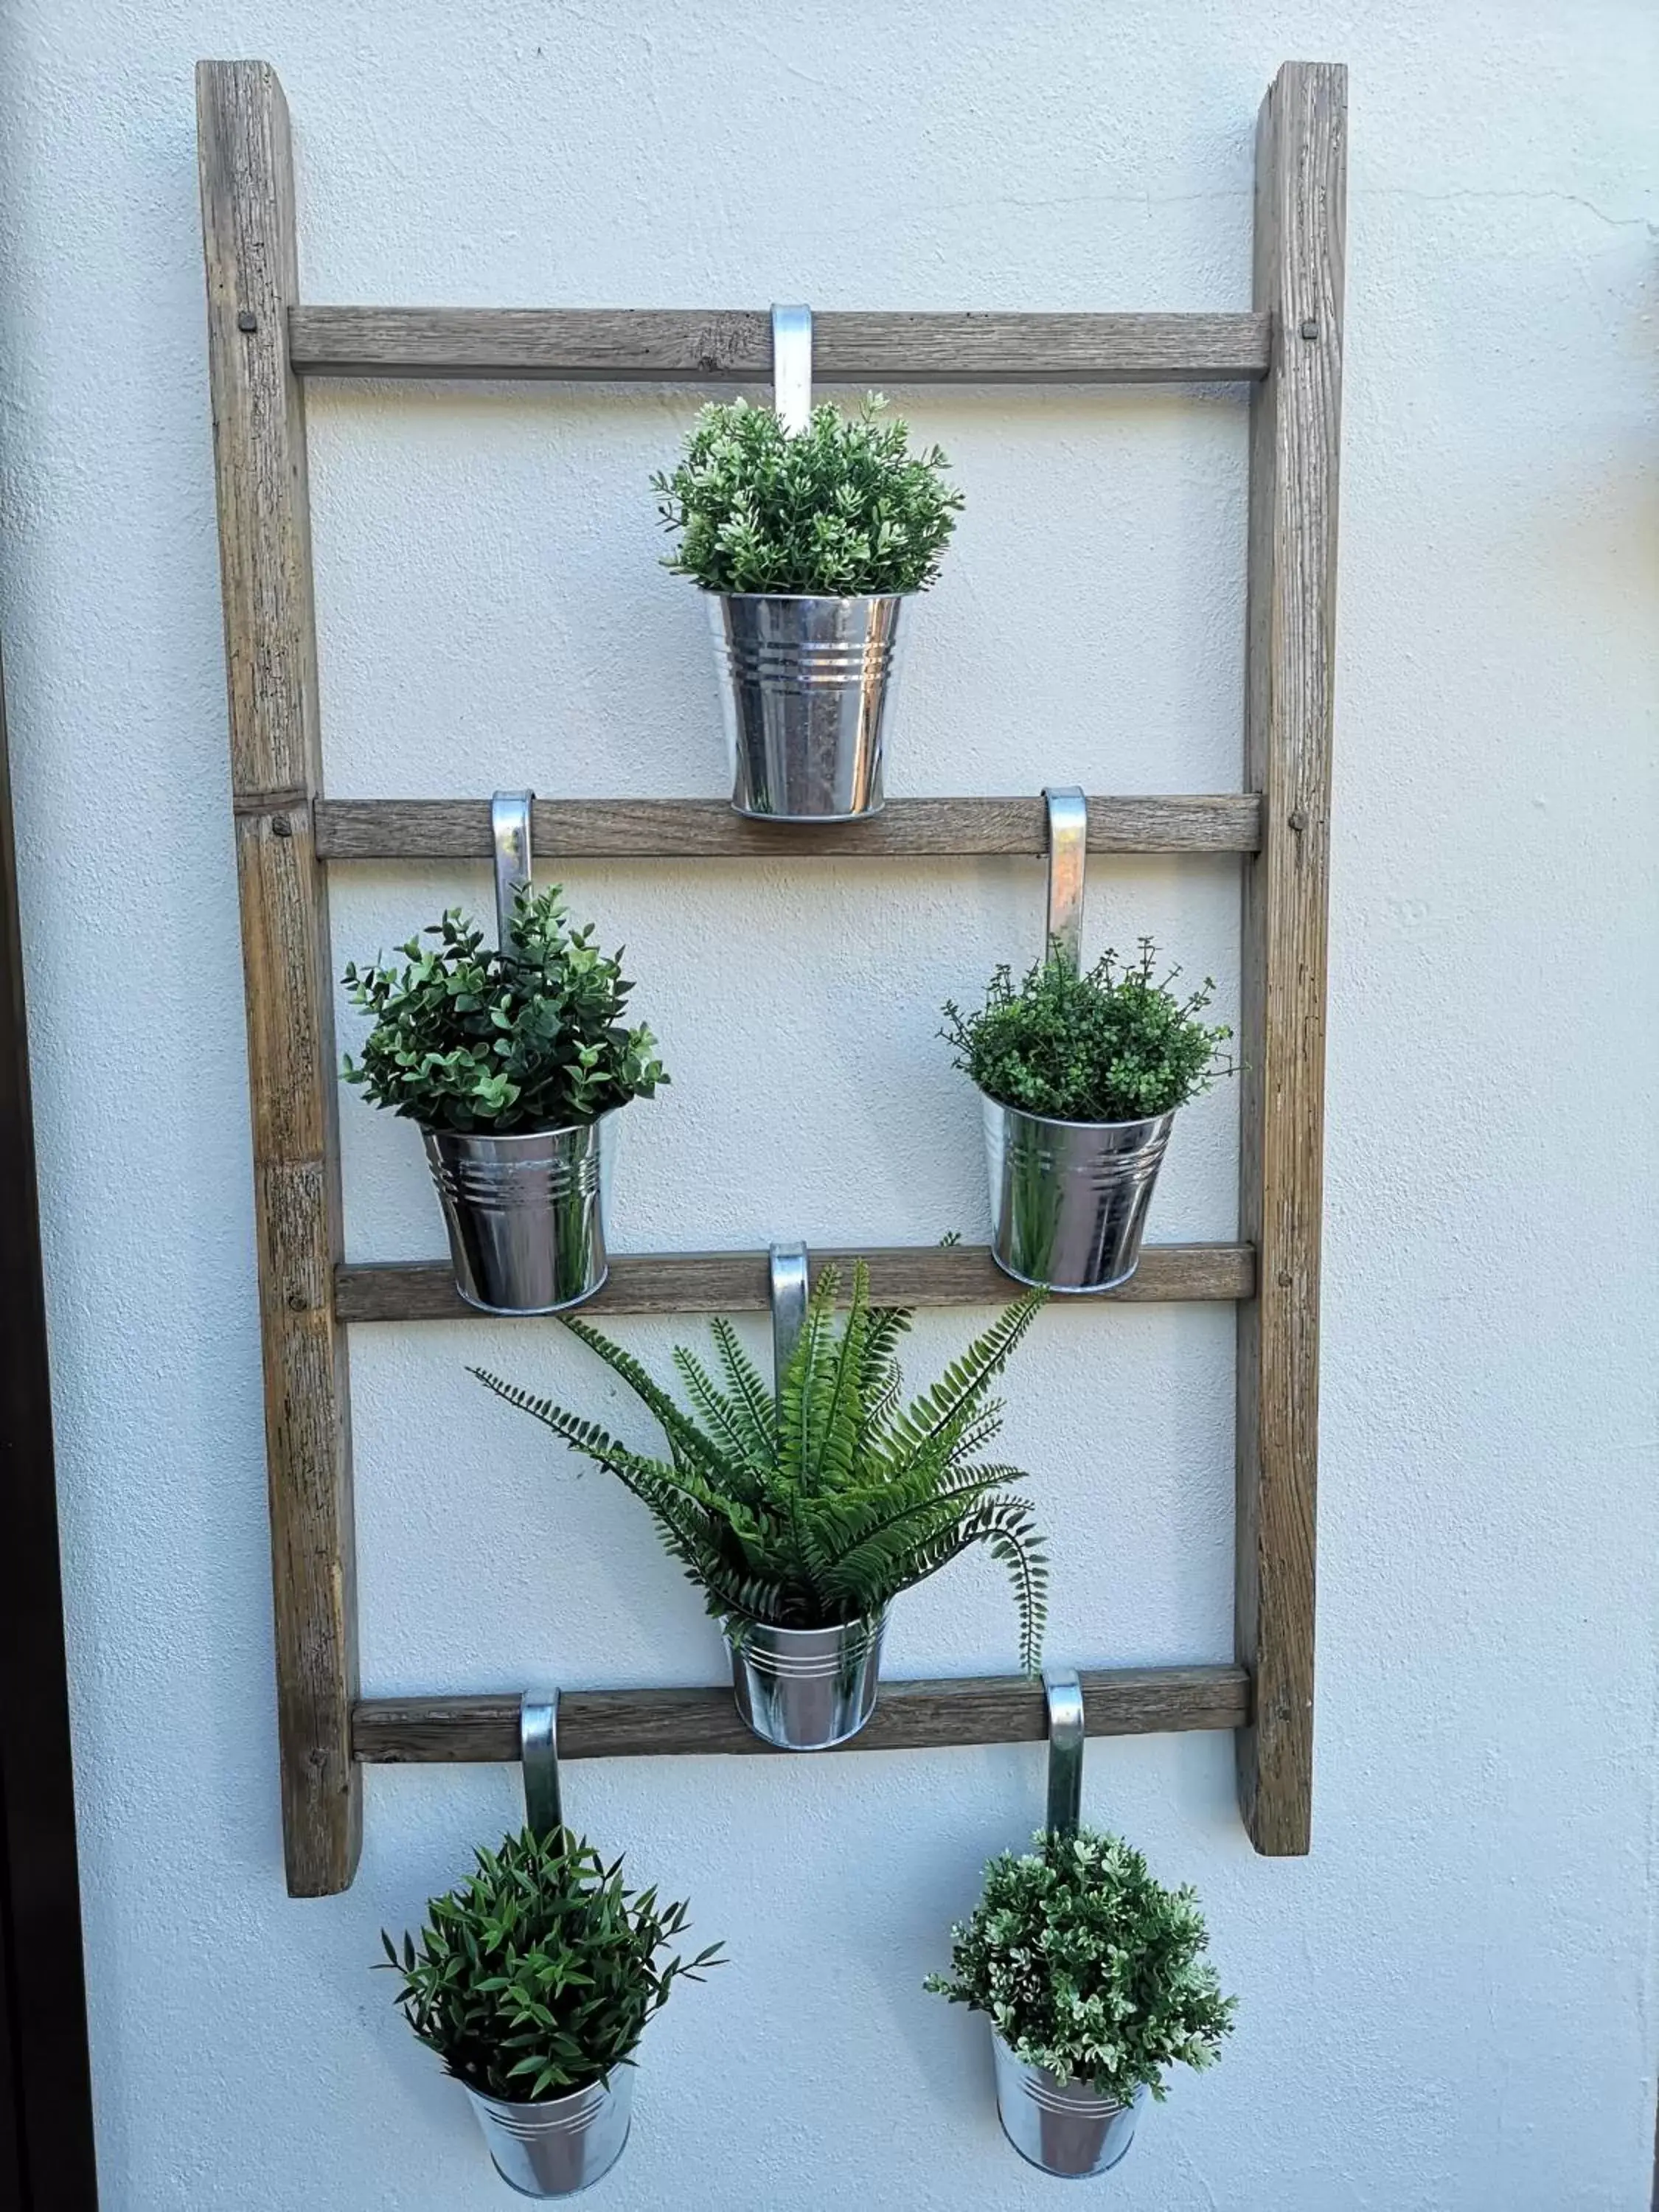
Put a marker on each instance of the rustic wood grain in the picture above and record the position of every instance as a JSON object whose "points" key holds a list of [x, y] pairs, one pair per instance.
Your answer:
{"points": [[259, 453], [707, 829], [911, 1715], [737, 1282], [615, 345], [1299, 226]]}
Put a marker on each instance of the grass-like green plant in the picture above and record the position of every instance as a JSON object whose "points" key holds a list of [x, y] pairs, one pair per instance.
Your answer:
{"points": [[839, 509], [537, 1975], [819, 1507], [1088, 1967], [527, 1037], [1113, 1043]]}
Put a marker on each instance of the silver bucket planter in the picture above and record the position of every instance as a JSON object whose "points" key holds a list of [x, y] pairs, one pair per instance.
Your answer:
{"points": [[806, 1689], [525, 1213], [805, 696], [1069, 1199], [1064, 2127], [558, 2147]]}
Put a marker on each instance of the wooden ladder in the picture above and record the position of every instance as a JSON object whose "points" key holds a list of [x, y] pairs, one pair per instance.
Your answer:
{"points": [[262, 342]]}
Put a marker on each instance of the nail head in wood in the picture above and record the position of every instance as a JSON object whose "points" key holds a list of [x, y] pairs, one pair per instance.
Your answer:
{"points": [[1309, 328], [247, 320]]}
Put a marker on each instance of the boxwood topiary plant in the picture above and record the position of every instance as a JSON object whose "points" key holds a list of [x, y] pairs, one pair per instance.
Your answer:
{"points": [[840, 509], [818, 1508], [527, 1037], [1110, 1044], [537, 1974], [1086, 1966]]}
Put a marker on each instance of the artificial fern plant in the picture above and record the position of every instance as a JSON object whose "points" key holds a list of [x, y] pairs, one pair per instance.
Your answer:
{"points": [[819, 1506]]}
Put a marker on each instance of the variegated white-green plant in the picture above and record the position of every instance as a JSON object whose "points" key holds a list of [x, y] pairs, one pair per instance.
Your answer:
{"points": [[1088, 1967], [819, 1506]]}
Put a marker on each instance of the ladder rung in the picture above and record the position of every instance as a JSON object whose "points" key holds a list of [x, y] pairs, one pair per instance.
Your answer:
{"points": [[622, 345], [707, 829], [738, 1282], [910, 1716]]}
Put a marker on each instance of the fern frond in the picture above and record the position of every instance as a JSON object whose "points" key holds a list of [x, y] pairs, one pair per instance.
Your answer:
{"points": [[722, 1415], [1003, 1525], [749, 1391], [966, 1379], [674, 1423]]}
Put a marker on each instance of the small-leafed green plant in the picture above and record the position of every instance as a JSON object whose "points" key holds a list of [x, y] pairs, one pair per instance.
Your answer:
{"points": [[1110, 1044], [840, 509], [1088, 1967], [527, 1037], [537, 1974], [817, 1507]]}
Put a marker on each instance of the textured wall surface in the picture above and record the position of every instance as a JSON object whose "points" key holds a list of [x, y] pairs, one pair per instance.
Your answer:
{"points": [[1448, 2007]]}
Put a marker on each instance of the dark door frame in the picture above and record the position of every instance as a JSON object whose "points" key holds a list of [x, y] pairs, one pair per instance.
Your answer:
{"points": [[46, 2087]]}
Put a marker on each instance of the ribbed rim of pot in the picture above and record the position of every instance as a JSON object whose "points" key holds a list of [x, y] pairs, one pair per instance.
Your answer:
{"points": [[1037, 2086], [820, 599], [1059, 1121], [851, 1638], [574, 2109], [522, 1136]]}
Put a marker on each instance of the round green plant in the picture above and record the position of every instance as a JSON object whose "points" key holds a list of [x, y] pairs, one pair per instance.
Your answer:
{"points": [[537, 1974], [528, 1036], [840, 509], [1111, 1044], [1086, 1966]]}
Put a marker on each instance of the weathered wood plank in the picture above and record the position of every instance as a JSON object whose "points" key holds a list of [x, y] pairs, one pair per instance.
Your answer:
{"points": [[259, 453], [1299, 235], [737, 1282], [616, 346], [911, 1715], [707, 829]]}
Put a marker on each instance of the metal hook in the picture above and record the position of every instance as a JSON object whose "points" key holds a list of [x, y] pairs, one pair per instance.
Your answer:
{"points": [[789, 1290], [538, 1755], [509, 835], [792, 368], [1069, 845], [1063, 1693]]}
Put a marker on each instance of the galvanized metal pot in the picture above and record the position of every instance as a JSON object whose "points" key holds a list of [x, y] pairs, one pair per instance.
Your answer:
{"points": [[559, 2146], [1069, 1199], [806, 1689], [806, 696], [526, 1213], [1064, 2127]]}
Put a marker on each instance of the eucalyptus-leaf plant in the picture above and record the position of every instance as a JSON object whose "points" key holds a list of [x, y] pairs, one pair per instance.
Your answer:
{"points": [[528, 1036], [537, 1975], [1088, 1967], [817, 1507], [840, 509], [1111, 1044]]}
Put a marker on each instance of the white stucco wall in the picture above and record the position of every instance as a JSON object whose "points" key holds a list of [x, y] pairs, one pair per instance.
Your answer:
{"points": [[1448, 2007]]}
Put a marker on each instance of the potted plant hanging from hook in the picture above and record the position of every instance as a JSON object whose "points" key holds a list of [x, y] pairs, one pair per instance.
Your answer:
{"points": [[1081, 1074], [533, 1981], [801, 1516], [513, 1063], [1092, 1974], [809, 529]]}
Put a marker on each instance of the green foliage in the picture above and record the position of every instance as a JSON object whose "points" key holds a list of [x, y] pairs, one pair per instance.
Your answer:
{"points": [[538, 1973], [840, 509], [1111, 1045], [1088, 1967], [530, 1036], [821, 1507]]}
